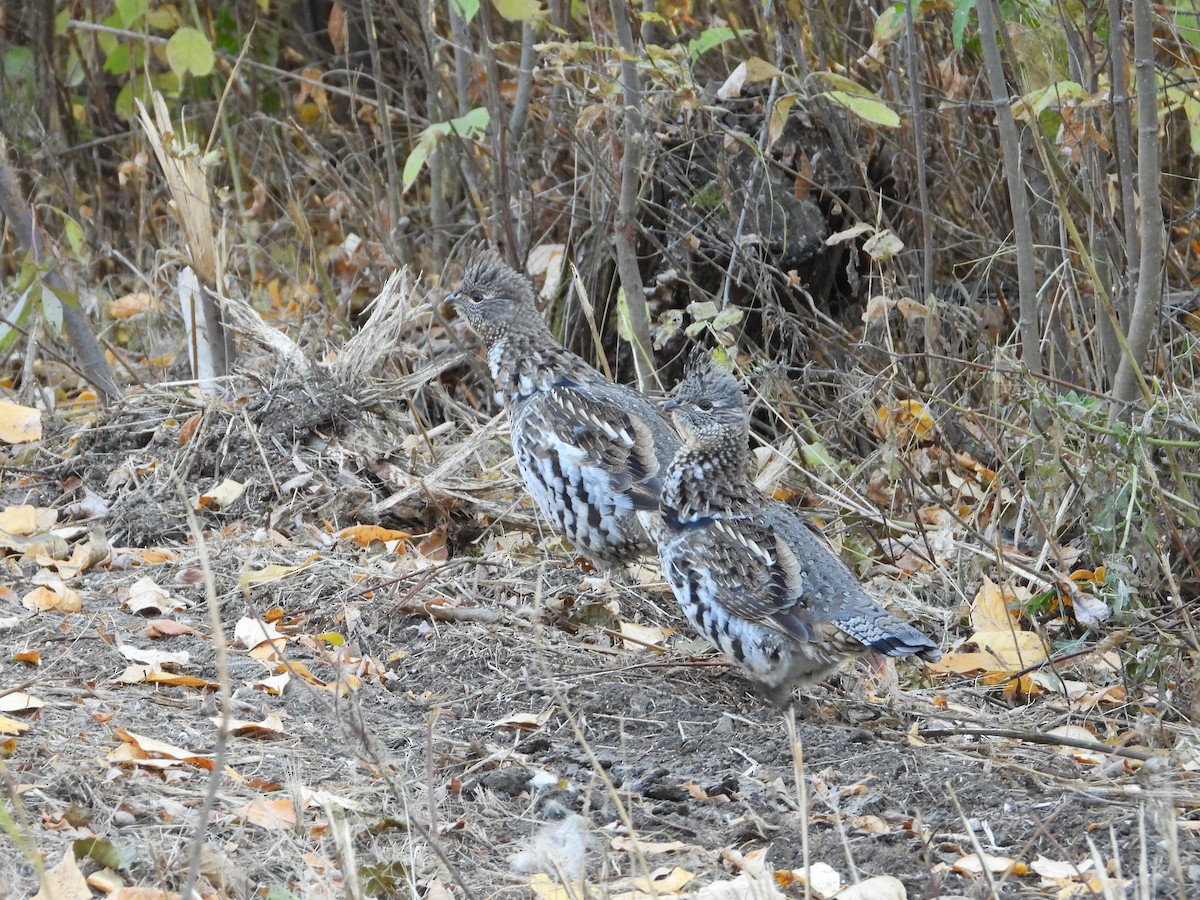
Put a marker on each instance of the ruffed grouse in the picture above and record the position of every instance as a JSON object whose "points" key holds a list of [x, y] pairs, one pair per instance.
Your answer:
{"points": [[590, 451], [752, 574]]}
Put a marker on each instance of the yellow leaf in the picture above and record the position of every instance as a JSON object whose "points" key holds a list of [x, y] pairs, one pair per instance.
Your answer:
{"points": [[643, 637], [990, 608], [131, 305], [270, 815], [271, 573], [219, 496], [19, 519], [365, 535], [19, 424], [55, 596], [64, 881], [546, 888]]}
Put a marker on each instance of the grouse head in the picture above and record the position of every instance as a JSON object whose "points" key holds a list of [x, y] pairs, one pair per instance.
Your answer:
{"points": [[709, 409], [494, 298]]}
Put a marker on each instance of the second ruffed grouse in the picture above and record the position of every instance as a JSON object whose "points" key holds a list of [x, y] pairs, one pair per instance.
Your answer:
{"points": [[752, 575], [590, 451]]}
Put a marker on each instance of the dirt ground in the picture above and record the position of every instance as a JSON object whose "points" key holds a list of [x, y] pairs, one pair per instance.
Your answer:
{"points": [[463, 718]]}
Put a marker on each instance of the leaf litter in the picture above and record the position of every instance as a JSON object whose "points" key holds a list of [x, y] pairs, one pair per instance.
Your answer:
{"points": [[407, 649]]}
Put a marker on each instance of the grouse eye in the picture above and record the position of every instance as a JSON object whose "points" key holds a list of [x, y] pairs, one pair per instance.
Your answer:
{"points": [[705, 405], [477, 297]]}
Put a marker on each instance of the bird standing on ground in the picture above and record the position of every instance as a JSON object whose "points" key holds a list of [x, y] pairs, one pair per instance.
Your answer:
{"points": [[752, 574], [590, 451]]}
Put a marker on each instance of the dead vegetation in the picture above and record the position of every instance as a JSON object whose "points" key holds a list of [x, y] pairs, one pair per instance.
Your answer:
{"points": [[431, 697]]}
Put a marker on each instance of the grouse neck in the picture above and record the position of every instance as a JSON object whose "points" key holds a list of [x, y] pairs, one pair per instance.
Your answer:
{"points": [[704, 482], [524, 364]]}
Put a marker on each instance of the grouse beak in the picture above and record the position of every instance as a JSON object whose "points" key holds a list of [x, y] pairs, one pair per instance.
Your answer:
{"points": [[670, 405], [450, 302]]}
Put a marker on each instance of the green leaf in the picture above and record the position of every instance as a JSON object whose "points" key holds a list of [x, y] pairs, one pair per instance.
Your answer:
{"points": [[958, 24], [73, 232], [1186, 14], [416, 161], [882, 246], [816, 456], [624, 322], [519, 10], [1191, 107], [842, 83], [18, 63], [129, 11], [104, 852], [702, 310], [188, 50], [118, 60], [726, 319], [668, 325], [15, 322], [867, 108], [1053, 96], [709, 38], [465, 8], [473, 124], [889, 24], [779, 117], [165, 18], [52, 311]]}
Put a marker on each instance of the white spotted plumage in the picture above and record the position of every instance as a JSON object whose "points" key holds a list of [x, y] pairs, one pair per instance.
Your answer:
{"points": [[751, 574], [589, 451]]}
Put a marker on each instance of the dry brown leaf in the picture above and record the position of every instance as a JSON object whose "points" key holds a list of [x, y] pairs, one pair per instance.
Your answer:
{"points": [[269, 728], [251, 633], [365, 535], [147, 751], [971, 864], [54, 596], [164, 628], [146, 598], [270, 815], [644, 637], [133, 304]]}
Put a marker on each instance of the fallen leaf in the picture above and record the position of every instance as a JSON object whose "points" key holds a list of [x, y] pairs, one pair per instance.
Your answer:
{"points": [[146, 598], [19, 701], [523, 720], [57, 597], [251, 632], [147, 751], [131, 305], [270, 727], [270, 815], [161, 628], [644, 637], [971, 864], [365, 535], [880, 887], [154, 657], [253, 578], [19, 424], [64, 881], [219, 496], [822, 877], [649, 848], [1056, 870], [13, 726]]}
